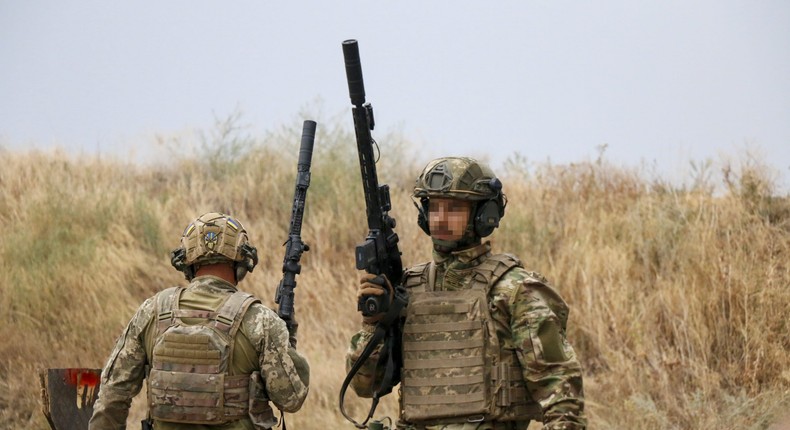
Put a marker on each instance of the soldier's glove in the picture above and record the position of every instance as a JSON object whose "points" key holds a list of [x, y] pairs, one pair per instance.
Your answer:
{"points": [[374, 297]]}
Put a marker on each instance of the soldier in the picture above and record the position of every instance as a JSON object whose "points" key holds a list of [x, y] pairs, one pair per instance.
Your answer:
{"points": [[483, 339], [213, 356]]}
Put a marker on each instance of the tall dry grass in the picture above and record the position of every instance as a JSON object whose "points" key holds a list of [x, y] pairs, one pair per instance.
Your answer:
{"points": [[679, 295]]}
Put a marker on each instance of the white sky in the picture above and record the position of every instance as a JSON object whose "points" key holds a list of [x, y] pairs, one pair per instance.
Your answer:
{"points": [[661, 83]]}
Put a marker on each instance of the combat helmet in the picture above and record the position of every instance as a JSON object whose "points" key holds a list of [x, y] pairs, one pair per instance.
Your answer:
{"points": [[214, 238], [462, 178]]}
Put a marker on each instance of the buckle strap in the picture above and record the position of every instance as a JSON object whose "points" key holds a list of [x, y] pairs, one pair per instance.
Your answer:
{"points": [[449, 399], [166, 301], [193, 313], [488, 273], [442, 381], [494, 425], [237, 381], [503, 371], [441, 345], [443, 363], [229, 314], [443, 327]]}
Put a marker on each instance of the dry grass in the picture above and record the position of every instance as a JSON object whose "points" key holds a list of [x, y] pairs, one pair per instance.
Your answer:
{"points": [[680, 296]]}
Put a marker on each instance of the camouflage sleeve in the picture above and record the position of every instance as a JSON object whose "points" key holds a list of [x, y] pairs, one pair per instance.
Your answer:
{"points": [[368, 377], [122, 376], [551, 370], [285, 372]]}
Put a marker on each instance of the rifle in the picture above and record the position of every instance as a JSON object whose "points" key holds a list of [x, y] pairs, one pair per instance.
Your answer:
{"points": [[379, 253], [294, 247]]}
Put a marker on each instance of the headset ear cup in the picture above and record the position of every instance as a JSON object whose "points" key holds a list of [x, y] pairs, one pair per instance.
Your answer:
{"points": [[422, 216], [487, 218], [248, 263], [178, 259], [189, 273]]}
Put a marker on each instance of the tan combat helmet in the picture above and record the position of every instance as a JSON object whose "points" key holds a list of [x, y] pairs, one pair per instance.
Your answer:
{"points": [[462, 178], [214, 238]]}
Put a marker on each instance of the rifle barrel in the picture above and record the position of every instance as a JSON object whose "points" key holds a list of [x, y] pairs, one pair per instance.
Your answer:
{"points": [[356, 85]]}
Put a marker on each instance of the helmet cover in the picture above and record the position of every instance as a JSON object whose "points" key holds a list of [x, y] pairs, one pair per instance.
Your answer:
{"points": [[456, 178], [214, 238]]}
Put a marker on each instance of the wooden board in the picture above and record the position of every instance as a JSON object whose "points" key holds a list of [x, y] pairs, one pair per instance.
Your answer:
{"points": [[68, 395]]}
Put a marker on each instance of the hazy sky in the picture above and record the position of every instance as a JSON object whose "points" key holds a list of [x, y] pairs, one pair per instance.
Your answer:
{"points": [[660, 83]]}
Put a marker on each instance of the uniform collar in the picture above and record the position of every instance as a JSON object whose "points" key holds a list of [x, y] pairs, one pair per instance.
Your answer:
{"points": [[465, 258], [212, 283]]}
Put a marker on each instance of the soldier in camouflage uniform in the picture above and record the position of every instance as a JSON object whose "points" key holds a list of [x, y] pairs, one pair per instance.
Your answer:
{"points": [[213, 356], [483, 339]]}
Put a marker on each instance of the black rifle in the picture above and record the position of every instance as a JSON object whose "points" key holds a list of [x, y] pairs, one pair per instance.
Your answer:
{"points": [[379, 253], [294, 247]]}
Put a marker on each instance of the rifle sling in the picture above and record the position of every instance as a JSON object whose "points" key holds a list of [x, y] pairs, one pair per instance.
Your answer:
{"points": [[386, 331]]}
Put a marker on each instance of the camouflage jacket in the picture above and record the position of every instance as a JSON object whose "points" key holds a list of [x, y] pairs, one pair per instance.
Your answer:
{"points": [[519, 304], [261, 345]]}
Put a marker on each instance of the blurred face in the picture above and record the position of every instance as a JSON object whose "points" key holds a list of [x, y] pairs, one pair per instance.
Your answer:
{"points": [[447, 218]]}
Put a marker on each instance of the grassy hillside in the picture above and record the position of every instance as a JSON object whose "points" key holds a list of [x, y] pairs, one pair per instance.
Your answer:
{"points": [[679, 296]]}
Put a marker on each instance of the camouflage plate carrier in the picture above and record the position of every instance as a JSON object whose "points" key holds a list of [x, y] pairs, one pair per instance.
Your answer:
{"points": [[189, 380], [455, 368]]}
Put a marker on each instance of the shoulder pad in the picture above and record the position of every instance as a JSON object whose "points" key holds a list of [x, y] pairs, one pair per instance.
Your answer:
{"points": [[415, 275], [417, 268], [505, 256], [166, 293], [165, 301]]}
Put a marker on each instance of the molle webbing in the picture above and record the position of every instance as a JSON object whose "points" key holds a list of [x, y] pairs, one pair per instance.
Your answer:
{"points": [[198, 397], [449, 352], [189, 380], [513, 397], [444, 362], [186, 353]]}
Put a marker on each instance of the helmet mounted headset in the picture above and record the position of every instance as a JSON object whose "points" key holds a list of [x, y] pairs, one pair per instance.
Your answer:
{"points": [[461, 178], [214, 238]]}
